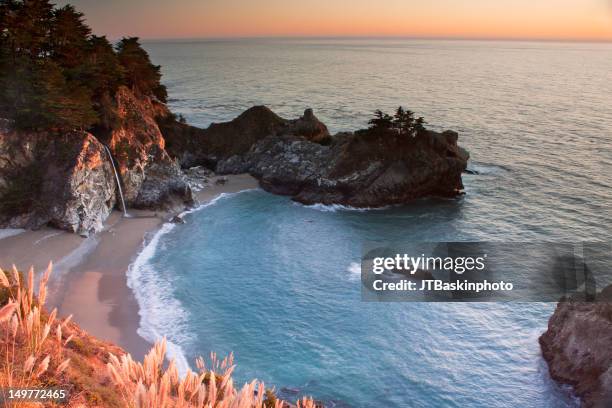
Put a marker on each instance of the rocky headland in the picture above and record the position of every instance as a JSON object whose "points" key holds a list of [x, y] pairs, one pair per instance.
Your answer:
{"points": [[66, 179], [578, 348], [299, 158]]}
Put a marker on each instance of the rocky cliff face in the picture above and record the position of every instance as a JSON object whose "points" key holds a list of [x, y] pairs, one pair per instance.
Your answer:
{"points": [[194, 146], [578, 348], [151, 179], [299, 158], [65, 181]]}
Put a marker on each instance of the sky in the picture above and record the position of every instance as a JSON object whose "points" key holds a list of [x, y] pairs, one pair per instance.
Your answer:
{"points": [[483, 19]]}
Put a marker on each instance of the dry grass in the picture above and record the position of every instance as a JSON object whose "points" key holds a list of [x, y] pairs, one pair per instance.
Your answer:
{"points": [[39, 350], [32, 341]]}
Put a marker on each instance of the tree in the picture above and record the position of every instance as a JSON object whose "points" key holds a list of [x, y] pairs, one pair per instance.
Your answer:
{"points": [[381, 121], [25, 28], [69, 37], [140, 73], [419, 126], [43, 66], [403, 122]]}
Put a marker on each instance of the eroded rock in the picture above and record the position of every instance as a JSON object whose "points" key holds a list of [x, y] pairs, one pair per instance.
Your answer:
{"points": [[64, 181], [578, 349]]}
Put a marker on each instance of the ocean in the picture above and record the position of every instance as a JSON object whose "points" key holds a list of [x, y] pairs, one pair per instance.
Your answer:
{"points": [[277, 283]]}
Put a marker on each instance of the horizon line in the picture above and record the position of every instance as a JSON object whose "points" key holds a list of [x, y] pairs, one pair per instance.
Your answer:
{"points": [[377, 37]]}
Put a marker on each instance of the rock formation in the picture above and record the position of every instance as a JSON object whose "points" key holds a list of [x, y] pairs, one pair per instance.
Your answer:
{"points": [[64, 181], [151, 179], [578, 348], [73, 188], [299, 158]]}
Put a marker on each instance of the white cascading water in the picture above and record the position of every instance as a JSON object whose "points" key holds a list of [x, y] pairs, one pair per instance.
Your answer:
{"points": [[110, 157]]}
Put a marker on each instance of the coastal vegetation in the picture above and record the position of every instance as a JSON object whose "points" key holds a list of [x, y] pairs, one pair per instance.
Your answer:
{"points": [[56, 75], [402, 123], [38, 349]]}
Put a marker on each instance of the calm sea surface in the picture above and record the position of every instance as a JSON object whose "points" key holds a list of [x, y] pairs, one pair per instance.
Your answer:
{"points": [[278, 284]]}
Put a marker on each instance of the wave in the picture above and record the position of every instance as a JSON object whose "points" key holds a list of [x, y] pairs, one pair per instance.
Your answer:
{"points": [[354, 269], [340, 207], [157, 307], [486, 169]]}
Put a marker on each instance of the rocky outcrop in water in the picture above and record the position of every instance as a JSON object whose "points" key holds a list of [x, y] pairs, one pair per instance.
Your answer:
{"points": [[300, 159], [194, 146], [64, 181], [578, 348]]}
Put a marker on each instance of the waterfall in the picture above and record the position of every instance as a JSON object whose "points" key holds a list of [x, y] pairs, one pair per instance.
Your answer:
{"points": [[110, 157]]}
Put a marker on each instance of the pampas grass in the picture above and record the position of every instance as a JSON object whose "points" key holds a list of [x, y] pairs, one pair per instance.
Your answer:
{"points": [[33, 350], [24, 330], [150, 385]]}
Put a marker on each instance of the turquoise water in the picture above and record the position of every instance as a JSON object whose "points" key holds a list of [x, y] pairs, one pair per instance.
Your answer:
{"points": [[277, 283]]}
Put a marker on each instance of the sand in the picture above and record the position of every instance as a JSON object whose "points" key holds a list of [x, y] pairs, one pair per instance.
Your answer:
{"points": [[89, 276]]}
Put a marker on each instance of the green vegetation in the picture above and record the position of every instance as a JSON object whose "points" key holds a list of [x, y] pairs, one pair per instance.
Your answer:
{"points": [[402, 123], [56, 75], [21, 191]]}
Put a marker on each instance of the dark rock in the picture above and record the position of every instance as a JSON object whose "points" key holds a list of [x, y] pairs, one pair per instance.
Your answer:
{"points": [[361, 169], [197, 177], [578, 349], [194, 146], [164, 187], [220, 141], [309, 127], [177, 219], [221, 181]]}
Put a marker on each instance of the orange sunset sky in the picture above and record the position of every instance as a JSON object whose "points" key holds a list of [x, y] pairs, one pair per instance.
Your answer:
{"points": [[495, 19]]}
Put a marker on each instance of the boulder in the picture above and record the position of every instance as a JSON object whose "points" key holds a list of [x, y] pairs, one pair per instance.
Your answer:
{"points": [[164, 188], [65, 181], [578, 348]]}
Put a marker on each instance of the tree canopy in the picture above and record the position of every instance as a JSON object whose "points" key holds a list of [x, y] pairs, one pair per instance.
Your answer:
{"points": [[403, 123], [56, 75]]}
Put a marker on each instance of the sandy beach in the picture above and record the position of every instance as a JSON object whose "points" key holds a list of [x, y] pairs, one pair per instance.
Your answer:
{"points": [[89, 276]]}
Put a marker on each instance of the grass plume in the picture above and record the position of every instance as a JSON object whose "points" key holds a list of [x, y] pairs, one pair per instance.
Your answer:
{"points": [[40, 350]]}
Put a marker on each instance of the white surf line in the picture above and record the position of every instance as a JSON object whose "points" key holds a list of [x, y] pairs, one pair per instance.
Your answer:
{"points": [[141, 280]]}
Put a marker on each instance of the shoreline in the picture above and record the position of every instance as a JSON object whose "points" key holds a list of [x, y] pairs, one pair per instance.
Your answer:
{"points": [[89, 278]]}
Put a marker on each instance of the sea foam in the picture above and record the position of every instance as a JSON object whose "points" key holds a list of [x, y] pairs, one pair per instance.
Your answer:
{"points": [[340, 207], [162, 315]]}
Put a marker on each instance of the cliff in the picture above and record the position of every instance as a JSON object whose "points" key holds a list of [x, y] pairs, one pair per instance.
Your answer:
{"points": [[66, 180], [578, 348], [151, 179], [300, 159]]}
